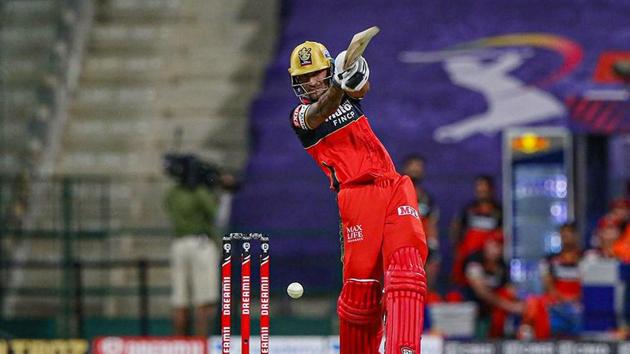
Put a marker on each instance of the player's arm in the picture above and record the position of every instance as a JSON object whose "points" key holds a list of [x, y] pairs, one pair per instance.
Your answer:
{"points": [[474, 276], [352, 81], [326, 105], [547, 278]]}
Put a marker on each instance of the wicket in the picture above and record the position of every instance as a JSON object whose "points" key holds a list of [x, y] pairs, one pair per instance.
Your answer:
{"points": [[226, 291]]}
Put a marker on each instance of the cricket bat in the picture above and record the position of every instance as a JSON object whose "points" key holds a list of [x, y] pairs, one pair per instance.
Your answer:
{"points": [[358, 44]]}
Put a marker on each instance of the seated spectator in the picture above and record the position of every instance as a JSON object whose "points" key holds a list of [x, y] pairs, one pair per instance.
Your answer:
{"points": [[557, 313], [621, 246], [620, 209], [607, 233], [487, 284], [480, 219], [560, 272]]}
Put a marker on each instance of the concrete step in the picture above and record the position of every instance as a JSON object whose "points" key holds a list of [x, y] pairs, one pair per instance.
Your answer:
{"points": [[110, 163], [26, 68], [142, 164], [146, 5], [14, 132], [219, 8], [109, 129], [18, 36], [28, 78], [19, 9], [148, 16], [23, 113], [9, 162], [205, 47], [27, 49], [30, 18], [103, 66], [171, 33], [194, 128], [160, 70], [109, 95], [179, 53], [20, 112], [26, 19], [140, 205], [37, 305], [114, 145], [188, 95], [147, 10], [83, 111], [153, 247], [21, 97]]}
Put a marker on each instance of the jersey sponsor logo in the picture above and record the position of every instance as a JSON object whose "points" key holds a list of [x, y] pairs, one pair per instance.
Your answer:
{"points": [[349, 111], [408, 210], [354, 233], [566, 272], [343, 114], [406, 350], [305, 56], [483, 222]]}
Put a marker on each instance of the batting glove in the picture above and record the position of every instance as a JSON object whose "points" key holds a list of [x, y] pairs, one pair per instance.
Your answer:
{"points": [[353, 78]]}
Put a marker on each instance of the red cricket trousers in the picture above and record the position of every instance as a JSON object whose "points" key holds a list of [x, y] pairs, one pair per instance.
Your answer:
{"points": [[377, 219]]}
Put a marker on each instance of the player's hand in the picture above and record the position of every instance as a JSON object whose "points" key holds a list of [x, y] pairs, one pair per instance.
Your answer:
{"points": [[353, 78]]}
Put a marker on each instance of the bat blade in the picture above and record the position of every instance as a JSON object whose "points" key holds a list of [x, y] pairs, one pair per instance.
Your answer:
{"points": [[358, 44]]}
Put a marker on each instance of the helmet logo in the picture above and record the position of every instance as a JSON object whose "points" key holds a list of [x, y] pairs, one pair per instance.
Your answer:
{"points": [[305, 56]]}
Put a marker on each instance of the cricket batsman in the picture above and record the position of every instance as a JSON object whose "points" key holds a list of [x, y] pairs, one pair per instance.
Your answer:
{"points": [[383, 240]]}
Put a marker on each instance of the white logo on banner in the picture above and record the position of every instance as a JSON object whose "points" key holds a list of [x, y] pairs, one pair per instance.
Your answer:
{"points": [[510, 101], [112, 345]]}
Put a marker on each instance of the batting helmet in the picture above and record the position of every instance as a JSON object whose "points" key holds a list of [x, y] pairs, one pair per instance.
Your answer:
{"points": [[306, 58]]}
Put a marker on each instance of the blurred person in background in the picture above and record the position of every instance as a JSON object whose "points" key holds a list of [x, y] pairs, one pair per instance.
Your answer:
{"points": [[620, 210], [560, 271], [558, 312], [605, 237], [488, 284], [621, 246], [191, 205], [479, 220], [414, 167], [611, 241]]}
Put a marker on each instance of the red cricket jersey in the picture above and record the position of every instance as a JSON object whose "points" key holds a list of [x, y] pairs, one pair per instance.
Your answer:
{"points": [[565, 270], [344, 145]]}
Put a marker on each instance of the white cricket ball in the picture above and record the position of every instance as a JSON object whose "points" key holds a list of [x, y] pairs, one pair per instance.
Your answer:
{"points": [[295, 290]]}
